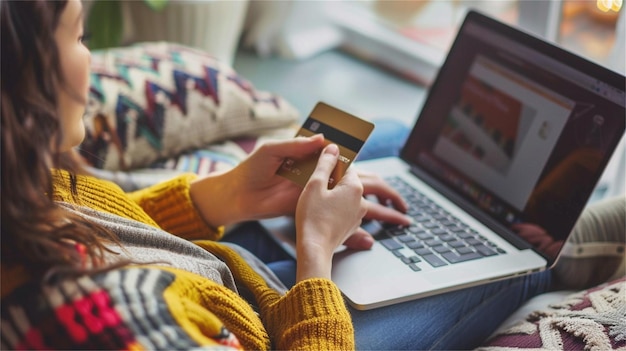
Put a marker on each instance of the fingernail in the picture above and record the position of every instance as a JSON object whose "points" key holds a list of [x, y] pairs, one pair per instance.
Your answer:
{"points": [[367, 241], [332, 149]]}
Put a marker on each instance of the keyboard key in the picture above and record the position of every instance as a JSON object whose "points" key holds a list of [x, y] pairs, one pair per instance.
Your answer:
{"points": [[424, 236], [448, 223], [439, 217], [415, 245], [431, 211], [447, 237], [416, 230], [422, 219], [439, 231], [415, 259], [456, 244], [434, 260], [484, 250], [455, 229], [380, 235], [454, 258], [390, 244], [424, 251], [406, 238], [441, 249], [414, 267], [430, 225], [464, 250], [397, 231], [473, 241], [433, 242]]}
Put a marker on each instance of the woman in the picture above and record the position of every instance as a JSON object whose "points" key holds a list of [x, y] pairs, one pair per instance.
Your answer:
{"points": [[85, 265], [73, 242]]}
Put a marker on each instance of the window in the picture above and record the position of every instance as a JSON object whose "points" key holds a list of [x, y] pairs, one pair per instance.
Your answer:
{"points": [[412, 37]]}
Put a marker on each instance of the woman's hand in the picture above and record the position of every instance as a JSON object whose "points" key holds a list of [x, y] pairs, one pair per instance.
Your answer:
{"points": [[538, 237], [252, 190], [325, 217], [388, 206]]}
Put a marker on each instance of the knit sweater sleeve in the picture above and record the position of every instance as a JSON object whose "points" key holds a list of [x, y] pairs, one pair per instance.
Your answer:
{"points": [[170, 205], [312, 315]]}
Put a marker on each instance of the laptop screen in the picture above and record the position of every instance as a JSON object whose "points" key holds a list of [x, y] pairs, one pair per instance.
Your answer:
{"points": [[520, 129]]}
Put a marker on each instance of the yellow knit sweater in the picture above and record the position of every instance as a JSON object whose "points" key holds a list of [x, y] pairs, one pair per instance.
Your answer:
{"points": [[312, 315]]}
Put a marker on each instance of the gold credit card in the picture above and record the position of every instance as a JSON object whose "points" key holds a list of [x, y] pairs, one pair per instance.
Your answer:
{"points": [[339, 127]]}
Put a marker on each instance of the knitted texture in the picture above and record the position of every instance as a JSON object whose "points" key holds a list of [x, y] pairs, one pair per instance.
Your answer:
{"points": [[166, 205], [593, 319], [313, 307], [132, 309], [170, 205], [178, 309], [103, 196]]}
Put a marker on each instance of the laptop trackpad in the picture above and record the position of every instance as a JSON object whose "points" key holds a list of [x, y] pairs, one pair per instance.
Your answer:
{"points": [[370, 277]]}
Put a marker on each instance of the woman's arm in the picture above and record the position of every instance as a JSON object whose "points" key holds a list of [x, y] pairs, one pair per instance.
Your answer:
{"points": [[311, 316], [169, 204]]}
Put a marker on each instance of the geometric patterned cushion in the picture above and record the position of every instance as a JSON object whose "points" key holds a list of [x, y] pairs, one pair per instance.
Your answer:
{"points": [[151, 101], [593, 319]]}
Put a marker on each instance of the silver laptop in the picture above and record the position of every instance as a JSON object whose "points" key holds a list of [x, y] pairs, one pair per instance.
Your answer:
{"points": [[507, 149]]}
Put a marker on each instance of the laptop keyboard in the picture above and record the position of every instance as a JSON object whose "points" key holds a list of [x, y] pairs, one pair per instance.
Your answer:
{"points": [[436, 238]]}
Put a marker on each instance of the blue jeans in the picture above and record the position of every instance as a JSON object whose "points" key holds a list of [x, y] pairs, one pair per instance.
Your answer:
{"points": [[456, 320]]}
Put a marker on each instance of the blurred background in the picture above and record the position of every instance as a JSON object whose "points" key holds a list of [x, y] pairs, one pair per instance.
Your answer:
{"points": [[373, 58]]}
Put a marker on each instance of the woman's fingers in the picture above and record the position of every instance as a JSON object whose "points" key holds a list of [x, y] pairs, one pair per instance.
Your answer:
{"points": [[325, 165]]}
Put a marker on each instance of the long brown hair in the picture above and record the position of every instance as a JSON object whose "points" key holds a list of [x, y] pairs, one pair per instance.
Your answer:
{"points": [[35, 232]]}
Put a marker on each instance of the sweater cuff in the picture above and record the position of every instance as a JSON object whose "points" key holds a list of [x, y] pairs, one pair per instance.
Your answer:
{"points": [[312, 315], [170, 205]]}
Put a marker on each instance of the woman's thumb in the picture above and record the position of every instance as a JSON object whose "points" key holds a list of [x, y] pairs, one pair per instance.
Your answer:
{"points": [[326, 163]]}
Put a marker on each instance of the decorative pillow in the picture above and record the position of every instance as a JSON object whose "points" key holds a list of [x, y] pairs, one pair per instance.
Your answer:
{"points": [[593, 319], [154, 100]]}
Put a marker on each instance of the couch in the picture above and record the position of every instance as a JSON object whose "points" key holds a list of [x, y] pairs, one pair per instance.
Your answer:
{"points": [[157, 109], [587, 308]]}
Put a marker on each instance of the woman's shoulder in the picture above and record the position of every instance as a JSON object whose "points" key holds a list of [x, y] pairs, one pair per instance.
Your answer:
{"points": [[97, 194], [62, 183]]}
